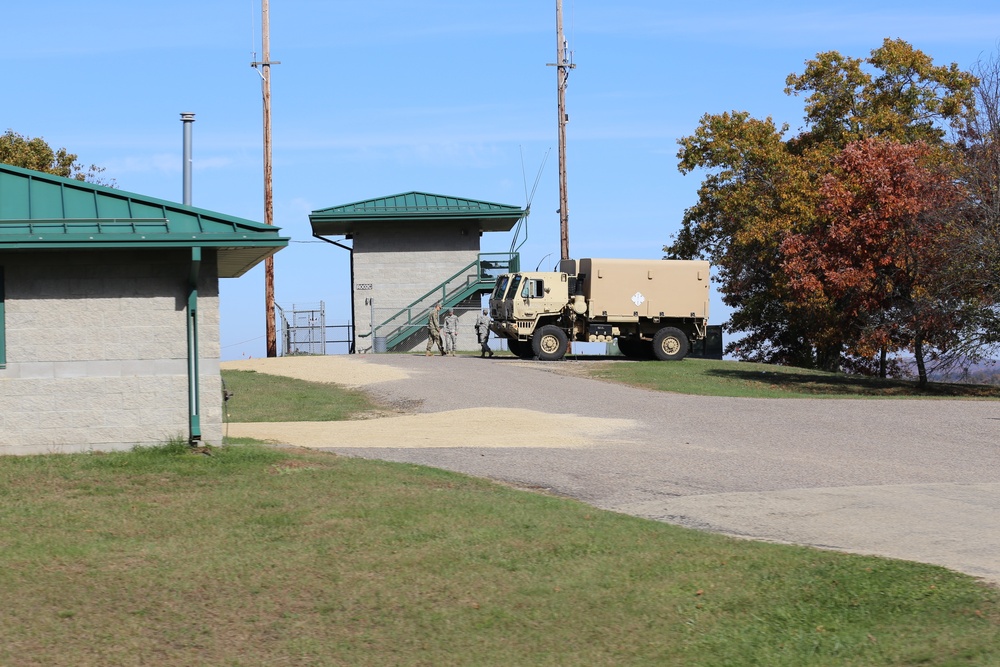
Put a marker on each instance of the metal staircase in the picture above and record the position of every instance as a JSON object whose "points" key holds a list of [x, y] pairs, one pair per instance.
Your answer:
{"points": [[476, 278]]}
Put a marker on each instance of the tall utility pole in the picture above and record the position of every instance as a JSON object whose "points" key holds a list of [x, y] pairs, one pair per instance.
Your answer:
{"points": [[563, 64], [265, 74]]}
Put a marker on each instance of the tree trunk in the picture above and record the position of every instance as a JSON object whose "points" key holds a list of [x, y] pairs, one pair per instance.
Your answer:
{"points": [[829, 358], [918, 353], [881, 362]]}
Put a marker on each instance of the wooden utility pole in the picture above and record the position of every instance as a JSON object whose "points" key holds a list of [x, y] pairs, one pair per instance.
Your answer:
{"points": [[265, 73], [563, 64]]}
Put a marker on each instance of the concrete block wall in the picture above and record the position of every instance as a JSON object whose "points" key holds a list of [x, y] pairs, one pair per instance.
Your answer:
{"points": [[97, 350], [396, 264]]}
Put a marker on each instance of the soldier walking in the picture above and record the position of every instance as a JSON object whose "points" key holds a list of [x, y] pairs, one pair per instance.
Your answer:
{"points": [[483, 332], [434, 330], [451, 332]]}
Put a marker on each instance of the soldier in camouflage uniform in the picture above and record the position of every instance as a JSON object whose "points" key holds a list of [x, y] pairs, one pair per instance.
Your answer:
{"points": [[434, 330], [483, 333], [451, 332]]}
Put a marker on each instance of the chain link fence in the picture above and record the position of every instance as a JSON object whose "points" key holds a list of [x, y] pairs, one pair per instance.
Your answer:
{"points": [[304, 331]]}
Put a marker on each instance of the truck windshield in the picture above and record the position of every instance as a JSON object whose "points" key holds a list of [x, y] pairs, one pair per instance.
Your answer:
{"points": [[501, 287], [513, 286]]}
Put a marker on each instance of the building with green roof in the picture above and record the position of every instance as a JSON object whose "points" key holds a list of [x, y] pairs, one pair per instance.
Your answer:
{"points": [[109, 314], [410, 251]]}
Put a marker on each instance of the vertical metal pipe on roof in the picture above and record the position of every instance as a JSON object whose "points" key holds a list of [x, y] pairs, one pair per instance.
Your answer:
{"points": [[187, 118]]}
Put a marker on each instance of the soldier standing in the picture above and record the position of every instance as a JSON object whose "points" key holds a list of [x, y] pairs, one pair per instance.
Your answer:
{"points": [[451, 332], [483, 332], [434, 330]]}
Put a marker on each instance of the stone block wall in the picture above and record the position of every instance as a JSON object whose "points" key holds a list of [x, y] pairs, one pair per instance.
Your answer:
{"points": [[97, 350], [395, 264]]}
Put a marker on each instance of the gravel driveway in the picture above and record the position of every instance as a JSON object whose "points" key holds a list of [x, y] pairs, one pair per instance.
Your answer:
{"points": [[911, 479]]}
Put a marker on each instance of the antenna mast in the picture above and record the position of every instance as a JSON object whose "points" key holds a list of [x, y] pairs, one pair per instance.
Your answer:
{"points": [[265, 74], [563, 64]]}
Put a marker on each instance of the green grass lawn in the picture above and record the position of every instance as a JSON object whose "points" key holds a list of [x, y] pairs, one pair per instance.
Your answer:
{"points": [[263, 556], [252, 555], [257, 397]]}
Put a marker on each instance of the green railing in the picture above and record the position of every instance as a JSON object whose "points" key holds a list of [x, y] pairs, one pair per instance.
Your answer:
{"points": [[477, 277]]}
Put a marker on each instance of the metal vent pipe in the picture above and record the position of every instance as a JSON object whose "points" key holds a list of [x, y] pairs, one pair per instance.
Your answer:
{"points": [[187, 118]]}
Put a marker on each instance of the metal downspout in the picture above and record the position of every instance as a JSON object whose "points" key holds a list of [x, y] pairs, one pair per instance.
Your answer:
{"points": [[350, 250], [194, 417]]}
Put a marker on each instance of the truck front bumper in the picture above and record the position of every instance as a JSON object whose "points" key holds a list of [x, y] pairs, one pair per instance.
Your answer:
{"points": [[504, 329]]}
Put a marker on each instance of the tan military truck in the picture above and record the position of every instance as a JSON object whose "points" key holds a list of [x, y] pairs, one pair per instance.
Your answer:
{"points": [[654, 308]]}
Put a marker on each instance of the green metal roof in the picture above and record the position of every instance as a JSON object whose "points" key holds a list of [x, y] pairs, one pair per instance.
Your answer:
{"points": [[414, 207], [41, 211]]}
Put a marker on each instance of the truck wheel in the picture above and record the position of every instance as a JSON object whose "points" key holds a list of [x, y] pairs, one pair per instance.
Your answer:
{"points": [[635, 348], [549, 343], [520, 348], [670, 344]]}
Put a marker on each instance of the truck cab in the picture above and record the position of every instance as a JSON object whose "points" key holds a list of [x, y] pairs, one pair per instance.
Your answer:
{"points": [[521, 302]]}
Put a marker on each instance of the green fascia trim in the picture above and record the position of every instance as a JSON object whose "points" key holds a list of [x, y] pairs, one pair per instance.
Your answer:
{"points": [[66, 233]]}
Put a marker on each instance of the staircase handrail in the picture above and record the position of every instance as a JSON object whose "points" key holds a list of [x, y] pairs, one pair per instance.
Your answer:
{"points": [[445, 292]]}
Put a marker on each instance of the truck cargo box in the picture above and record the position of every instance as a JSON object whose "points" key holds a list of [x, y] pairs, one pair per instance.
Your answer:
{"points": [[624, 289]]}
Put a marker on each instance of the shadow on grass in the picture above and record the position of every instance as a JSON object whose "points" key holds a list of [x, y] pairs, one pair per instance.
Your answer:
{"points": [[850, 385]]}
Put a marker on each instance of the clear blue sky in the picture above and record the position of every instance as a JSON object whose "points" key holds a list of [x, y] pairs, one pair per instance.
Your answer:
{"points": [[384, 96]]}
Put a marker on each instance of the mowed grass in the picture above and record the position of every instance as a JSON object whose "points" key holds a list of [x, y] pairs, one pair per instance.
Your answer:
{"points": [[709, 377], [259, 397], [252, 555], [262, 556]]}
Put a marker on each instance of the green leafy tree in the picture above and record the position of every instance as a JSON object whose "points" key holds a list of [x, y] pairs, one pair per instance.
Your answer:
{"points": [[897, 93], [35, 153], [761, 186], [756, 191]]}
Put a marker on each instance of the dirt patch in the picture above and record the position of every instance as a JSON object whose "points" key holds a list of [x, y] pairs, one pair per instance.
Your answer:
{"points": [[349, 371], [455, 428]]}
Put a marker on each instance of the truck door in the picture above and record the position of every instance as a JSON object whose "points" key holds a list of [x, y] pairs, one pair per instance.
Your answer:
{"points": [[496, 298], [512, 293], [532, 289]]}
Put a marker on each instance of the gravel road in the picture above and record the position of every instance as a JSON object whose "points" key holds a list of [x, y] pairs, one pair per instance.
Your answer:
{"points": [[911, 479]]}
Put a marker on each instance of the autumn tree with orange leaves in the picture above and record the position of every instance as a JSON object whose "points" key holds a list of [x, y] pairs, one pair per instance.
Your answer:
{"points": [[875, 254], [771, 208]]}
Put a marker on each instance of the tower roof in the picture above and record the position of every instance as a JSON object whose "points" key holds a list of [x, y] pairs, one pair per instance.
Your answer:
{"points": [[419, 208]]}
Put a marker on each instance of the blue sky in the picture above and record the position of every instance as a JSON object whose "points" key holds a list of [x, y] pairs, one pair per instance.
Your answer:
{"points": [[445, 96]]}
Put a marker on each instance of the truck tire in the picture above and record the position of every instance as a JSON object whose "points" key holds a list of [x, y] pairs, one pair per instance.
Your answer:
{"points": [[520, 348], [549, 343], [635, 348], [670, 344]]}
